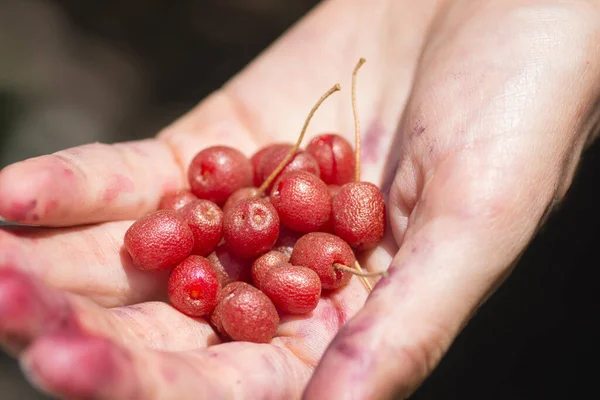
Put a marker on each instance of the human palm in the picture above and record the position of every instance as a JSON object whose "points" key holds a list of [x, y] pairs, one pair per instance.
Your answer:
{"points": [[456, 118]]}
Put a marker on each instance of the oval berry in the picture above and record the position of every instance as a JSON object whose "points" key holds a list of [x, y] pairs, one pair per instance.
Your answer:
{"points": [[174, 201], [319, 251], [302, 201], [214, 317], [293, 289], [251, 227], [205, 219], [193, 287], [335, 157], [216, 172], [265, 263], [248, 315], [359, 215], [158, 241]]}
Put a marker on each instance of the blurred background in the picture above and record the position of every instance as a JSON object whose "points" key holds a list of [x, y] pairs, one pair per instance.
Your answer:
{"points": [[73, 72]]}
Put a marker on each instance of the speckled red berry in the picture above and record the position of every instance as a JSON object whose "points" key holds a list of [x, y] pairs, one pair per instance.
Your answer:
{"points": [[205, 219], [264, 263], [335, 157], [302, 201], [216, 172], [359, 215], [292, 289], [251, 227], [176, 200], [158, 241], [319, 251], [193, 287]]}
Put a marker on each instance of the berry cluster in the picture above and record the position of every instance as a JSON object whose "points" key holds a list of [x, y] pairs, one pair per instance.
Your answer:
{"points": [[254, 238]]}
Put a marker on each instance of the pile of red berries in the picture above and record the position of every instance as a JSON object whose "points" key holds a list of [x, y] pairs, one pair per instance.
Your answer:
{"points": [[254, 238]]}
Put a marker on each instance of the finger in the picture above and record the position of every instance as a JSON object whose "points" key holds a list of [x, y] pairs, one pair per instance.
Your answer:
{"points": [[481, 188], [90, 261], [84, 366], [30, 309], [91, 183]]}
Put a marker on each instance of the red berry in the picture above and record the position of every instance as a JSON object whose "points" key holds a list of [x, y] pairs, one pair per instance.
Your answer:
{"points": [[302, 201], [319, 251], [293, 289], [218, 171], [160, 240], [193, 287], [257, 157], [214, 317], [335, 157], [176, 200], [359, 215], [251, 227], [205, 219], [248, 315], [264, 263], [286, 241], [301, 161], [229, 267], [241, 194]]}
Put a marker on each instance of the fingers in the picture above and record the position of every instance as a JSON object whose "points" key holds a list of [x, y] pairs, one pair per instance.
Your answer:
{"points": [[85, 366], [90, 261], [90, 183], [29, 309]]}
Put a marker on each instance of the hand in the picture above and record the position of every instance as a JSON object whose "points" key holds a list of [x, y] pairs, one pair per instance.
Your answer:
{"points": [[492, 97]]}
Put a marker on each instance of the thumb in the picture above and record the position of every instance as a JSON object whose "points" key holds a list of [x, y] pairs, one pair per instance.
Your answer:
{"points": [[479, 189]]}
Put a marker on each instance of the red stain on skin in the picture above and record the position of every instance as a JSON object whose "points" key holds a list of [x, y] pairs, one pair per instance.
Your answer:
{"points": [[370, 142], [28, 309], [19, 211], [76, 365], [68, 173], [117, 184], [51, 206]]}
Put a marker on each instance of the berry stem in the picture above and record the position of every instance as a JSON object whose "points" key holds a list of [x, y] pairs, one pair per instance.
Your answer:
{"points": [[356, 121], [345, 268], [364, 279], [294, 149]]}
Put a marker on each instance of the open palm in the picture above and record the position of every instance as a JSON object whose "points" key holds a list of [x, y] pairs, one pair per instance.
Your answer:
{"points": [[451, 133]]}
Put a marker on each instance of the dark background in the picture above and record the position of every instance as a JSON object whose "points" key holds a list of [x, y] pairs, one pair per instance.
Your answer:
{"points": [[72, 72]]}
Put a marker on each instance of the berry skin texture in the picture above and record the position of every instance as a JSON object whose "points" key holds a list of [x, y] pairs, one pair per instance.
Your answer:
{"points": [[359, 215], [251, 227], [216, 172], [248, 315], [335, 157], [264, 263], [229, 267], [301, 161], [205, 219], [293, 289], [319, 251], [302, 201], [241, 194], [193, 287], [257, 158], [159, 241], [214, 317], [176, 200]]}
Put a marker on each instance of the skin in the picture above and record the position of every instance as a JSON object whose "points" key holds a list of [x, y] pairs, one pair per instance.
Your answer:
{"points": [[474, 118]]}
